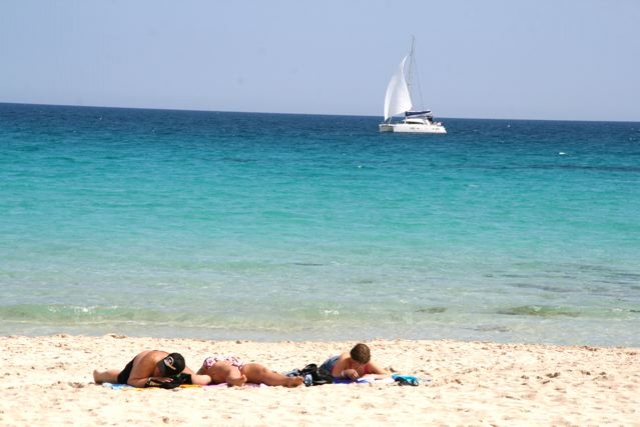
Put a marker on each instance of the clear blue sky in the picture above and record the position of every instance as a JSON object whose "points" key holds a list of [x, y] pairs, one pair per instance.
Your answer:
{"points": [[521, 59]]}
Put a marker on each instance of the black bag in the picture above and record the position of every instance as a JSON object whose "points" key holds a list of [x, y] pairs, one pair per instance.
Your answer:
{"points": [[176, 381], [313, 375]]}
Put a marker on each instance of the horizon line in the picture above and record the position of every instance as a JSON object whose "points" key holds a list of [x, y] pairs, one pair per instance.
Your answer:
{"points": [[302, 114]]}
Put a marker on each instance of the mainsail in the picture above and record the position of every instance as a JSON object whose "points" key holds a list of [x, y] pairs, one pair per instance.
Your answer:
{"points": [[397, 99]]}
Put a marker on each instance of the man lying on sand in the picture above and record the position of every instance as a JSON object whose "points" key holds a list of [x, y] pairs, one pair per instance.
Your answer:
{"points": [[231, 370], [151, 368], [353, 365]]}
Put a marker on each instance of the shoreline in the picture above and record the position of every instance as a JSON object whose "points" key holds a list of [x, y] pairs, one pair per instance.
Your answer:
{"points": [[478, 383], [562, 332]]}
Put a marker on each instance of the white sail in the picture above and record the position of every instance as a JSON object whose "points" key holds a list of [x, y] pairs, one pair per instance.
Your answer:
{"points": [[397, 99]]}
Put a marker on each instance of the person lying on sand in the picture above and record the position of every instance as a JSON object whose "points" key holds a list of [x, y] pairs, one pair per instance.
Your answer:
{"points": [[229, 369], [151, 368], [354, 364]]}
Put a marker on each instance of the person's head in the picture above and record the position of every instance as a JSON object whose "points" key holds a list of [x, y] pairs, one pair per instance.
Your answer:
{"points": [[172, 365], [360, 353]]}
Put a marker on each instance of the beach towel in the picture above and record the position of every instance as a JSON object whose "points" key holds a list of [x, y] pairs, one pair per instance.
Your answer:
{"points": [[130, 387], [409, 380], [120, 386], [364, 380]]}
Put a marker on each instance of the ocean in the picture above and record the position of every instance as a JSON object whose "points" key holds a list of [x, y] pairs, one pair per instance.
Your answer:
{"points": [[219, 225]]}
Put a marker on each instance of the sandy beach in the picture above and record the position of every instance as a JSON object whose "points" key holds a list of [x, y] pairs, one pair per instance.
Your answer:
{"points": [[48, 381]]}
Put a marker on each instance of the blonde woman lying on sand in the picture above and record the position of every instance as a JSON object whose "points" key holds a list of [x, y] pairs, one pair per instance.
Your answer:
{"points": [[353, 365], [230, 370], [152, 368]]}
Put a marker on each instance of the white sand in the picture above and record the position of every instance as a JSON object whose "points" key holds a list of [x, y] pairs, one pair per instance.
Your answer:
{"points": [[48, 381]]}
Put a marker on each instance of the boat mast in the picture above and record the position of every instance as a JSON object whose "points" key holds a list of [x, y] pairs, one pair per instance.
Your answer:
{"points": [[410, 73]]}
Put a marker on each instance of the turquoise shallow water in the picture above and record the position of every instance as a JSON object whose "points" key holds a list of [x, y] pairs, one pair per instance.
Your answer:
{"points": [[271, 226]]}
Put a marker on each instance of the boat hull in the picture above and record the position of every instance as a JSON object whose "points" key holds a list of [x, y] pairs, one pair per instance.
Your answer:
{"points": [[412, 128]]}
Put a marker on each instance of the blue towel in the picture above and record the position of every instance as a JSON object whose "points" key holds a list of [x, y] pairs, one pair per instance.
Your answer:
{"points": [[364, 380], [406, 379], [118, 386]]}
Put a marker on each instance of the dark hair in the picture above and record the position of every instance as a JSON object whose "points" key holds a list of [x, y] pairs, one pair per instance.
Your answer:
{"points": [[361, 353], [172, 365]]}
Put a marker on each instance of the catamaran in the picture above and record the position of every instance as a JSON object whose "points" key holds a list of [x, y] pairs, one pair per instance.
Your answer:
{"points": [[397, 101]]}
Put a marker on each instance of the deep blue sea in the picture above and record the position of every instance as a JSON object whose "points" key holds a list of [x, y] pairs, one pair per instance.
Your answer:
{"points": [[219, 225]]}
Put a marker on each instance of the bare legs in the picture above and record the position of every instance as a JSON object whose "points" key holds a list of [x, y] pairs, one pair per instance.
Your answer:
{"points": [[256, 373], [223, 371], [108, 376]]}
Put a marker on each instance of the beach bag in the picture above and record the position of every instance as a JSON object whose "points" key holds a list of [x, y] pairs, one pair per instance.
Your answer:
{"points": [[176, 381], [313, 375]]}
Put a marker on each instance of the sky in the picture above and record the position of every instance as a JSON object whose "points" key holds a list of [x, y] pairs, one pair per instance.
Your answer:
{"points": [[509, 59]]}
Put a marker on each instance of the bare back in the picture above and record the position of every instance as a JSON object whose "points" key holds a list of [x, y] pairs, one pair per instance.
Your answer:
{"points": [[145, 365]]}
